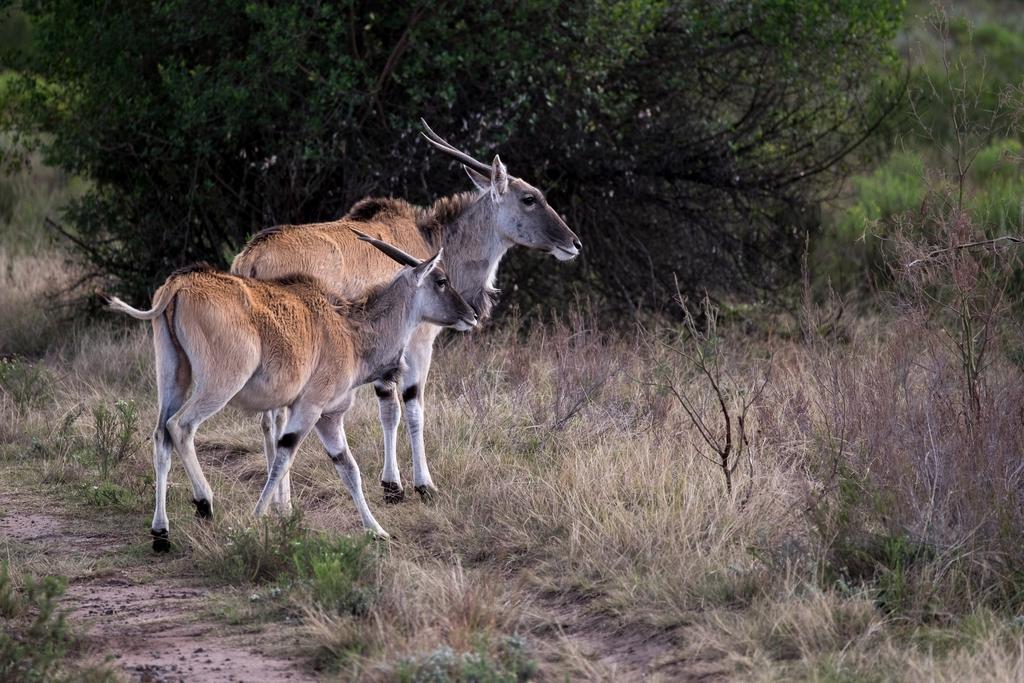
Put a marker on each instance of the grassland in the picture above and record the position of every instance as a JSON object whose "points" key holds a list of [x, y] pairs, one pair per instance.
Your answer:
{"points": [[581, 531], [584, 529]]}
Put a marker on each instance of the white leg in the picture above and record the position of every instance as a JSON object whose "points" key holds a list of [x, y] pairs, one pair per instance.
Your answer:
{"points": [[182, 427], [162, 448], [418, 356], [300, 421], [283, 499], [170, 395], [205, 401], [331, 430], [390, 414], [273, 422], [422, 480], [269, 437]]}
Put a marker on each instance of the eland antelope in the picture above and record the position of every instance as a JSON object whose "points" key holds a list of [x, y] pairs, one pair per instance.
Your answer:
{"points": [[474, 228], [289, 343]]}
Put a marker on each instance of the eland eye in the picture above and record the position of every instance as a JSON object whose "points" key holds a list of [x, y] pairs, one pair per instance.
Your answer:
{"points": [[442, 283], [529, 200]]}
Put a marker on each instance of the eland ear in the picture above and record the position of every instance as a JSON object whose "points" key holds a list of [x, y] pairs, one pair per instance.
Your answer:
{"points": [[482, 182], [427, 267], [499, 177]]}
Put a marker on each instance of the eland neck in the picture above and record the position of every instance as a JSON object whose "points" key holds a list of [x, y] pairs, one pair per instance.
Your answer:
{"points": [[385, 322], [465, 225]]}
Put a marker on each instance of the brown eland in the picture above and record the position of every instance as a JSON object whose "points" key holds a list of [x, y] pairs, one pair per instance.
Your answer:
{"points": [[285, 344]]}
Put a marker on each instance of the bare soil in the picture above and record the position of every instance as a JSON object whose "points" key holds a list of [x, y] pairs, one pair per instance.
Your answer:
{"points": [[153, 626]]}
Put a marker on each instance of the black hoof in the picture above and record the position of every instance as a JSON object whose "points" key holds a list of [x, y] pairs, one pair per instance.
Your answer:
{"points": [[203, 509], [160, 542], [393, 493], [428, 494]]}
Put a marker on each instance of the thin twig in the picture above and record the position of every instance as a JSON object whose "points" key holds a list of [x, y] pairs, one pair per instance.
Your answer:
{"points": [[967, 245]]}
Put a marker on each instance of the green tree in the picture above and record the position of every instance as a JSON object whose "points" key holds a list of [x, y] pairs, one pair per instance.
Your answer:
{"points": [[689, 138]]}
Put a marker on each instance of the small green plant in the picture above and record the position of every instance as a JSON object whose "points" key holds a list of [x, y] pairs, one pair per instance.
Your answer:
{"points": [[253, 554], [28, 384], [35, 636], [108, 494], [508, 663], [35, 639], [114, 436], [61, 450], [336, 572]]}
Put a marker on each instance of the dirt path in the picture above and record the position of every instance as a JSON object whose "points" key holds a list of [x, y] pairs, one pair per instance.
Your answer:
{"points": [[616, 650], [153, 626]]}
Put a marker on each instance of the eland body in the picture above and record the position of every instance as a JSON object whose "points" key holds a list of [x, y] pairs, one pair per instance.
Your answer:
{"points": [[281, 344]]}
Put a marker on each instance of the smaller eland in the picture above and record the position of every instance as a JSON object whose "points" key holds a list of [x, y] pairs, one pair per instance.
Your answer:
{"points": [[281, 344]]}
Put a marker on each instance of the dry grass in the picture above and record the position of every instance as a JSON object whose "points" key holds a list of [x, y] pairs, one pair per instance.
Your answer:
{"points": [[33, 320], [579, 528]]}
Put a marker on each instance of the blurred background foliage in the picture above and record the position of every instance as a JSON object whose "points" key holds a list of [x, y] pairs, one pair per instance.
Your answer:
{"points": [[699, 143], [975, 58]]}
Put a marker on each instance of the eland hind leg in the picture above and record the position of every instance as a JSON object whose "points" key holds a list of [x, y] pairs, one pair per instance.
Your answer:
{"points": [[218, 377], [273, 423], [301, 419], [284, 489], [173, 376]]}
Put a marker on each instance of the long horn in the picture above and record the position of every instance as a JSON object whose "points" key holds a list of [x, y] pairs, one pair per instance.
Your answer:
{"points": [[449, 149], [389, 249]]}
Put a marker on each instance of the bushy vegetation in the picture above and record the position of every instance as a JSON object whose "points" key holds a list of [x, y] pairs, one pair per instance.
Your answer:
{"points": [[960, 130], [200, 125], [33, 651], [35, 638], [444, 665], [87, 458], [27, 384], [336, 573]]}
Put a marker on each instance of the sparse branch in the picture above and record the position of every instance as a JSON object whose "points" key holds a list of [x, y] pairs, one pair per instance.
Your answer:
{"points": [[966, 245], [729, 440]]}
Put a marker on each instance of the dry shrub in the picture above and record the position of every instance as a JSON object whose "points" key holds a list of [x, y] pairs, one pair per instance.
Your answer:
{"points": [[32, 287], [605, 506], [900, 480], [919, 467], [421, 611]]}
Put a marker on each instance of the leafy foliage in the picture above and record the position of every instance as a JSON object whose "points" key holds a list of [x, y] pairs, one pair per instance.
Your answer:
{"points": [[690, 138], [35, 637]]}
